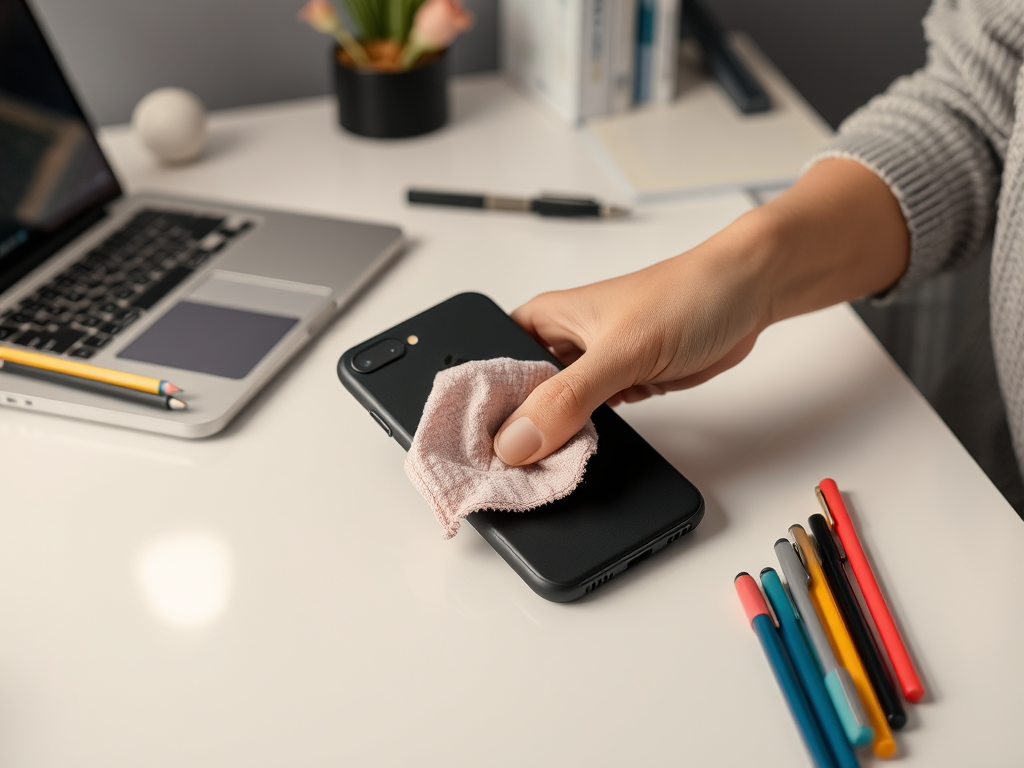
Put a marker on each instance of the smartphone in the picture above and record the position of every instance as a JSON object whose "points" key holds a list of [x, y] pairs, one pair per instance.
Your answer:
{"points": [[631, 503]]}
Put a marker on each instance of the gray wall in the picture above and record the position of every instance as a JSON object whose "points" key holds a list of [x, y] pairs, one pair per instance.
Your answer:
{"points": [[229, 52], [838, 53], [233, 52]]}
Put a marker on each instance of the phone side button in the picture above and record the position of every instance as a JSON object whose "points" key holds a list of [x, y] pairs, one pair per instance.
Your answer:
{"points": [[383, 424]]}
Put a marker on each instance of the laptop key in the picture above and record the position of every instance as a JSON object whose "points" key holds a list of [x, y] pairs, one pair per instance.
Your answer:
{"points": [[7, 332], [97, 341], [32, 339], [61, 341], [161, 288], [84, 353]]}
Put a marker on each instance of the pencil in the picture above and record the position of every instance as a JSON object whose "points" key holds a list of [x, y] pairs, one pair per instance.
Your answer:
{"points": [[169, 402], [86, 371]]}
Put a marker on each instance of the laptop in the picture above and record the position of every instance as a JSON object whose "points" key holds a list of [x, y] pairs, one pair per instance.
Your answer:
{"points": [[214, 298]]}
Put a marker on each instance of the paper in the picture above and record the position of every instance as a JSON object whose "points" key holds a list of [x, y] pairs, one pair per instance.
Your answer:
{"points": [[701, 143]]}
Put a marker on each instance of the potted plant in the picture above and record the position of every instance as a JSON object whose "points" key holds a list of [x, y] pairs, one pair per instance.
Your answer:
{"points": [[390, 75]]}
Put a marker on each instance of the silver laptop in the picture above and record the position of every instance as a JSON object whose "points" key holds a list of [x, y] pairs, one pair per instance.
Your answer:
{"points": [[211, 297]]}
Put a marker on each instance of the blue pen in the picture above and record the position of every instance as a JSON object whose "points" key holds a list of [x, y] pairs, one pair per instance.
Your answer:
{"points": [[837, 680], [757, 612], [807, 669]]}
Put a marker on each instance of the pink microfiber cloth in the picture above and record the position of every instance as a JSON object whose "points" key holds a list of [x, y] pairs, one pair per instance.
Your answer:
{"points": [[452, 460]]}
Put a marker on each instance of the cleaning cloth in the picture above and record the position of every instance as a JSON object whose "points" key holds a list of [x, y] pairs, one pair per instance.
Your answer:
{"points": [[452, 460]]}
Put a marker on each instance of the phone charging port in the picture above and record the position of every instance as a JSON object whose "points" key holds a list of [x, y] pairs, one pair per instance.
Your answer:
{"points": [[639, 558]]}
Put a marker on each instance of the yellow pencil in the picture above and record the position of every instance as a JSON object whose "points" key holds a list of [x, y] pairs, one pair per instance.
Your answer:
{"points": [[839, 638], [85, 371]]}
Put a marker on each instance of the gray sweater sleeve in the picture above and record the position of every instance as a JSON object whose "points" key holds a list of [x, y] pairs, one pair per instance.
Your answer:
{"points": [[938, 137]]}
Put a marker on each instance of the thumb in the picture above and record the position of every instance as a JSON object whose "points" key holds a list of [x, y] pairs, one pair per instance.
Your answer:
{"points": [[557, 409]]}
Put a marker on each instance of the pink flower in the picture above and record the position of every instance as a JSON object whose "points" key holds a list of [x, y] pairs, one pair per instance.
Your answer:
{"points": [[321, 16], [438, 23]]}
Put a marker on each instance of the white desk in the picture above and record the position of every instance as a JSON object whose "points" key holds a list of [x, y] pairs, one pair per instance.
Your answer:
{"points": [[280, 595]]}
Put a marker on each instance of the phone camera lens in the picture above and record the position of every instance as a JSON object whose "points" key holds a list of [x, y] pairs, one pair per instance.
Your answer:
{"points": [[378, 355]]}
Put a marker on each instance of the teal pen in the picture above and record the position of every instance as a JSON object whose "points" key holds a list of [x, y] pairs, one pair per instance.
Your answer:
{"points": [[838, 682], [761, 622], [807, 669]]}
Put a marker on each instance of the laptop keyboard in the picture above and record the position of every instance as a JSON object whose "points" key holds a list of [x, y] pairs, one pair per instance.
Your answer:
{"points": [[82, 309]]}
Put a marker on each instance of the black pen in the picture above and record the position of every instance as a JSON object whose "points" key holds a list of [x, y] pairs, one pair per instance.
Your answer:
{"points": [[860, 632], [548, 205], [169, 402]]}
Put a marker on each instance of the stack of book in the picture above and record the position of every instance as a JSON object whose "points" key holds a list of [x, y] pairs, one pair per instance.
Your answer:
{"points": [[586, 58]]}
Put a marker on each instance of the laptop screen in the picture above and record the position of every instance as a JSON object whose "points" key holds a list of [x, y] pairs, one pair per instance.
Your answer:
{"points": [[52, 172]]}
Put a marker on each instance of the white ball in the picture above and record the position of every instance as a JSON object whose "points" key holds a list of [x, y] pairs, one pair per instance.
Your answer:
{"points": [[171, 122]]}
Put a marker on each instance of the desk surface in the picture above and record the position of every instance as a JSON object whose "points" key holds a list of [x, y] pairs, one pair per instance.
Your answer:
{"points": [[280, 594]]}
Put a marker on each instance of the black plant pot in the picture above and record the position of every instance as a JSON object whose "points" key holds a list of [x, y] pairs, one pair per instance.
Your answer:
{"points": [[392, 105]]}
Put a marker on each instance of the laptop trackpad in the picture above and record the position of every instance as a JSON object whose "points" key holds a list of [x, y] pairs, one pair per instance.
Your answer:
{"points": [[226, 326]]}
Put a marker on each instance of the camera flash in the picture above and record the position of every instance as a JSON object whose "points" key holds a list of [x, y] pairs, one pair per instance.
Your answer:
{"points": [[412, 340]]}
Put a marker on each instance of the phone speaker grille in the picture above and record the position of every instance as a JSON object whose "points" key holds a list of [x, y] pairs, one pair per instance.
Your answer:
{"points": [[598, 582], [679, 534]]}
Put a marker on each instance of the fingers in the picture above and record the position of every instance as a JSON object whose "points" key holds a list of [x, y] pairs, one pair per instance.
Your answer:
{"points": [[558, 409], [554, 319]]}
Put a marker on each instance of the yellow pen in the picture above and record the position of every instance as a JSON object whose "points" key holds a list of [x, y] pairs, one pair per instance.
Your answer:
{"points": [[883, 744]]}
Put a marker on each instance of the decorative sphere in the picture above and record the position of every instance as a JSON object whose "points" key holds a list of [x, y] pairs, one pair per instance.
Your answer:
{"points": [[171, 122]]}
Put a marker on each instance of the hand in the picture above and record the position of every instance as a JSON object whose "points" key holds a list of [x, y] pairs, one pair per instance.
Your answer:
{"points": [[671, 326], [837, 234]]}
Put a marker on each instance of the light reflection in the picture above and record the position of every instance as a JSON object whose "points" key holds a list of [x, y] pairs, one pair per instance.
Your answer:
{"points": [[186, 578]]}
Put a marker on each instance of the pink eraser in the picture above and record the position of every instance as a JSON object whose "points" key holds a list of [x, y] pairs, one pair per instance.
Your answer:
{"points": [[750, 596]]}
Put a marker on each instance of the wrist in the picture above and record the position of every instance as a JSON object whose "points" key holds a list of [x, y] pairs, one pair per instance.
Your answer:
{"points": [[739, 263]]}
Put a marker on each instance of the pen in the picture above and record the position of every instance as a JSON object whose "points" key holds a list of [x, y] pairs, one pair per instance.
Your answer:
{"points": [[86, 371], [835, 575], [838, 682], [807, 669], [548, 205], [169, 402], [757, 612], [832, 502], [825, 606]]}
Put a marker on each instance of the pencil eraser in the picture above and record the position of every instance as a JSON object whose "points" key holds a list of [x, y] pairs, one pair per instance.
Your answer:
{"points": [[750, 596]]}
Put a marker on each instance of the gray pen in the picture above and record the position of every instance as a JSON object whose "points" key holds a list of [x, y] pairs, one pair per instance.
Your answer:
{"points": [[837, 680]]}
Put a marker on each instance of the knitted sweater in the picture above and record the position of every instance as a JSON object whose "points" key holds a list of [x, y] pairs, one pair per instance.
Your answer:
{"points": [[949, 142]]}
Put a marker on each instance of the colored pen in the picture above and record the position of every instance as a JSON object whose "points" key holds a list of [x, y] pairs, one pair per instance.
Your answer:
{"points": [[838, 682], [825, 606], [86, 371], [169, 402], [835, 575], [757, 612], [807, 670], [548, 205], [831, 501]]}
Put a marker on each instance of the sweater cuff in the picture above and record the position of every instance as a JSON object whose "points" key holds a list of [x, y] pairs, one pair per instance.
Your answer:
{"points": [[941, 203]]}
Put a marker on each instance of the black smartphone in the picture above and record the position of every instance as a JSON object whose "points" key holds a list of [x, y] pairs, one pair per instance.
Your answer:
{"points": [[631, 503]]}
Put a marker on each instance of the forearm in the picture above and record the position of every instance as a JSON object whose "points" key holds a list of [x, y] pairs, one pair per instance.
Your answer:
{"points": [[838, 234]]}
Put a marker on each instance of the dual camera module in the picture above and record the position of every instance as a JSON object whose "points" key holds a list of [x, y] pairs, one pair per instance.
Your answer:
{"points": [[380, 354]]}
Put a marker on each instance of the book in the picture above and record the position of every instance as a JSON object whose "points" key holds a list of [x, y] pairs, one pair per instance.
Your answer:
{"points": [[541, 50], [701, 143], [644, 57], [657, 46], [623, 58], [665, 58], [595, 80], [576, 56]]}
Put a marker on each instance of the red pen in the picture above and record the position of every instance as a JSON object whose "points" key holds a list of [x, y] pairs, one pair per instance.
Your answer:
{"points": [[832, 503]]}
